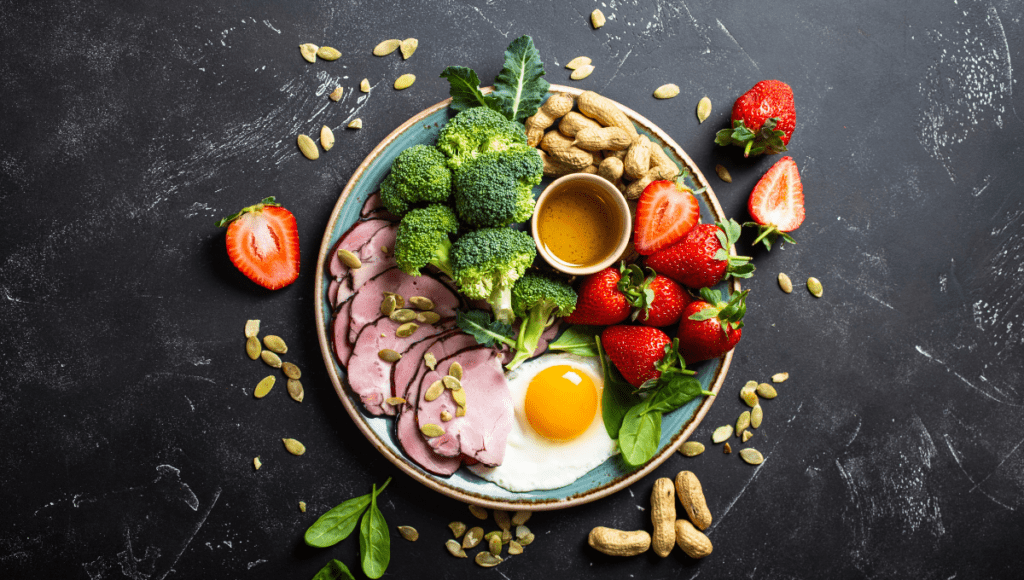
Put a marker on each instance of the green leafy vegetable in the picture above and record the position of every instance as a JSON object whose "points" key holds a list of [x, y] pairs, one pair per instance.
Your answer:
{"points": [[335, 525], [374, 540], [617, 397], [465, 89], [487, 332], [674, 393], [640, 435], [579, 340], [334, 570], [519, 86]]}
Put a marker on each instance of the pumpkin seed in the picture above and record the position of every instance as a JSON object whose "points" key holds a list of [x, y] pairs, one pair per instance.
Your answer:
{"points": [[271, 359], [432, 430], [582, 72], [780, 377], [291, 371], [742, 423], [309, 51], [478, 512], [692, 449], [257, 463], [252, 328], [428, 317], [746, 436], [275, 344], [384, 250], [752, 456], [405, 81], [450, 382], [785, 283], [722, 433], [455, 371], [502, 518], [364, 85], [578, 62], [302, 506], [403, 315], [756, 416], [459, 397], [349, 258], [421, 302], [388, 355], [472, 537], [264, 386], [814, 287], [487, 560], [336, 94], [406, 330], [767, 391], [727, 448], [387, 306], [514, 548], [748, 394], [455, 549], [399, 301], [506, 536], [430, 360], [294, 447], [446, 416], [494, 545], [356, 123], [597, 18], [703, 109], [408, 47], [460, 411], [395, 401], [457, 528], [295, 390], [409, 533], [328, 53], [308, 148], [326, 138], [253, 348], [387, 47], [494, 534], [666, 91], [723, 173], [521, 517], [524, 535], [435, 390]]}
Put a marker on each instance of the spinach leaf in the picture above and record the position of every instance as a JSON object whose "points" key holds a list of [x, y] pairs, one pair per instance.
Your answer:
{"points": [[334, 570], [640, 434], [617, 397], [479, 325], [465, 89], [674, 392], [335, 525], [519, 88], [374, 540], [578, 340]]}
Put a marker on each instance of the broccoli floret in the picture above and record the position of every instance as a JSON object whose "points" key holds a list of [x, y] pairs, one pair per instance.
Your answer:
{"points": [[478, 130], [487, 262], [422, 239], [538, 299], [496, 188], [418, 175]]}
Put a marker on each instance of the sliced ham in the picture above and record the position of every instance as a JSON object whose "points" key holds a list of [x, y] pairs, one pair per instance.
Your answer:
{"points": [[353, 240], [339, 333], [366, 302], [373, 207], [374, 259], [332, 293]]}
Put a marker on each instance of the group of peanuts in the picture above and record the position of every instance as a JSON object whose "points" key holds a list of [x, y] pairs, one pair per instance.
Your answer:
{"points": [[598, 139], [668, 531]]}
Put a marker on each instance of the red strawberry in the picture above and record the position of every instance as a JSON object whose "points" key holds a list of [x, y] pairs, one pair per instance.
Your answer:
{"points": [[657, 300], [711, 327], [701, 259], [763, 119], [263, 243], [599, 301], [635, 350], [777, 203], [665, 212]]}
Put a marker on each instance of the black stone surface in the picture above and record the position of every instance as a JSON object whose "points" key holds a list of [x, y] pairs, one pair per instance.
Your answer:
{"points": [[895, 449]]}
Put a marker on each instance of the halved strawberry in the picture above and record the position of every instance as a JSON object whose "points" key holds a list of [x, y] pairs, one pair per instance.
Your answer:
{"points": [[665, 213], [777, 203], [263, 243]]}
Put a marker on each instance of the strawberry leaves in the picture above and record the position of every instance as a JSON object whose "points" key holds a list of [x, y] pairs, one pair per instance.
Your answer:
{"points": [[767, 234], [267, 201], [728, 234], [637, 288], [767, 139], [729, 314]]}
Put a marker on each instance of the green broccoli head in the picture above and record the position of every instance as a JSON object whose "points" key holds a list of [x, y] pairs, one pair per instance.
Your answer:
{"points": [[496, 189], [419, 174], [478, 130], [422, 239], [538, 299], [487, 262]]}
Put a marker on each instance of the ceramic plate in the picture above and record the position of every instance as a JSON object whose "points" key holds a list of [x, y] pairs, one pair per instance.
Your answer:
{"points": [[611, 476]]}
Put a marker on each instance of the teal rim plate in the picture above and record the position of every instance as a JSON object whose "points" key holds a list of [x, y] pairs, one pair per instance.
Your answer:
{"points": [[611, 476]]}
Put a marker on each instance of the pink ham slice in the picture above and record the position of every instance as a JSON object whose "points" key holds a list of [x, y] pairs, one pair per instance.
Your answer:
{"points": [[374, 259], [353, 240], [339, 333], [366, 302], [332, 293], [373, 207], [483, 432]]}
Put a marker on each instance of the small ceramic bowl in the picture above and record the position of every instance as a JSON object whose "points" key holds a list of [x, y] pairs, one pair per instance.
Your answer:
{"points": [[612, 200]]}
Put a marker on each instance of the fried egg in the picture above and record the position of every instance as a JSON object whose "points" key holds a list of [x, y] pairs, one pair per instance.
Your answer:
{"points": [[558, 434]]}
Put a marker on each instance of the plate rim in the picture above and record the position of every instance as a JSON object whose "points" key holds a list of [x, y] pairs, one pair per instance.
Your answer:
{"points": [[401, 461]]}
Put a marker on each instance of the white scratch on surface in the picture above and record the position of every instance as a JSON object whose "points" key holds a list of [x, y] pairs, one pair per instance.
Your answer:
{"points": [[956, 458], [736, 42], [1000, 464], [962, 378], [271, 26], [617, 69], [195, 531]]}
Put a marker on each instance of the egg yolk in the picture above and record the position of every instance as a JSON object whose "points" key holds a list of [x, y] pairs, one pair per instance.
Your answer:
{"points": [[560, 402]]}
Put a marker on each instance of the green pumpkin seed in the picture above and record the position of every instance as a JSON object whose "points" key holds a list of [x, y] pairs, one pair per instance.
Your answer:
{"points": [[430, 360], [275, 344], [406, 330], [395, 401], [264, 386], [748, 394], [742, 423], [597, 19], [328, 53], [723, 173], [409, 533], [494, 545], [295, 390], [408, 47], [388, 355], [450, 382], [722, 433], [524, 536], [703, 109], [387, 306], [326, 138], [434, 391], [478, 512], [336, 94], [253, 348], [814, 287], [349, 259], [785, 283], [502, 518], [252, 328], [780, 377], [405, 81], [746, 436], [309, 51], [428, 317], [692, 449], [308, 147], [767, 391], [364, 85], [521, 517], [752, 456], [294, 446], [432, 430], [487, 559], [271, 359], [455, 371], [514, 548], [302, 506], [422, 302], [756, 416], [291, 371], [460, 411], [399, 301], [403, 315], [578, 62], [459, 397], [727, 448], [457, 528], [446, 416], [455, 549], [386, 47], [666, 91], [356, 123], [472, 537], [257, 463], [582, 72]]}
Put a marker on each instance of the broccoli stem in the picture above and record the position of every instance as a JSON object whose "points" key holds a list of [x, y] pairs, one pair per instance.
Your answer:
{"points": [[441, 259], [534, 325], [501, 304]]}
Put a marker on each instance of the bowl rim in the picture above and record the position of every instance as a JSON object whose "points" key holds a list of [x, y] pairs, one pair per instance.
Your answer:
{"points": [[404, 463]]}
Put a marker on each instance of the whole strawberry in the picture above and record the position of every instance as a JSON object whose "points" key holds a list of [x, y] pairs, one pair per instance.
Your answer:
{"points": [[777, 203], [763, 119], [656, 300], [711, 327], [701, 259], [599, 301], [635, 351]]}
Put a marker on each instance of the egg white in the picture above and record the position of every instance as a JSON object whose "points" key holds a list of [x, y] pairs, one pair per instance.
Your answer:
{"points": [[533, 462]]}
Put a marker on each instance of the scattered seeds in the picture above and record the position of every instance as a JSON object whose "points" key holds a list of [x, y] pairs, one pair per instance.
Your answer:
{"points": [[291, 371], [350, 259], [692, 449], [666, 91], [294, 447], [271, 359], [722, 433], [455, 371], [430, 360], [403, 315], [432, 430], [494, 545], [252, 328], [408, 47], [514, 548], [395, 401], [785, 283], [302, 506], [409, 533], [308, 148], [487, 559], [399, 301], [723, 173], [502, 518], [459, 396], [582, 72], [814, 287], [494, 534], [460, 411], [727, 448], [524, 535], [264, 386], [428, 317], [387, 305], [455, 549], [478, 512], [748, 394], [421, 302], [756, 416], [767, 391], [406, 330], [356, 123], [703, 109], [446, 416], [457, 528], [328, 53], [387, 47], [752, 456], [388, 355], [597, 18], [309, 51], [405, 81], [506, 536], [578, 62], [742, 423], [275, 344], [257, 463], [364, 85], [472, 537], [336, 94], [450, 382], [780, 377], [521, 517], [746, 436], [295, 390], [435, 390], [326, 138], [253, 348]]}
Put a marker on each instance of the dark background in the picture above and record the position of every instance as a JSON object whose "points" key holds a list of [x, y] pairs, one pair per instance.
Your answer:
{"points": [[126, 410]]}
